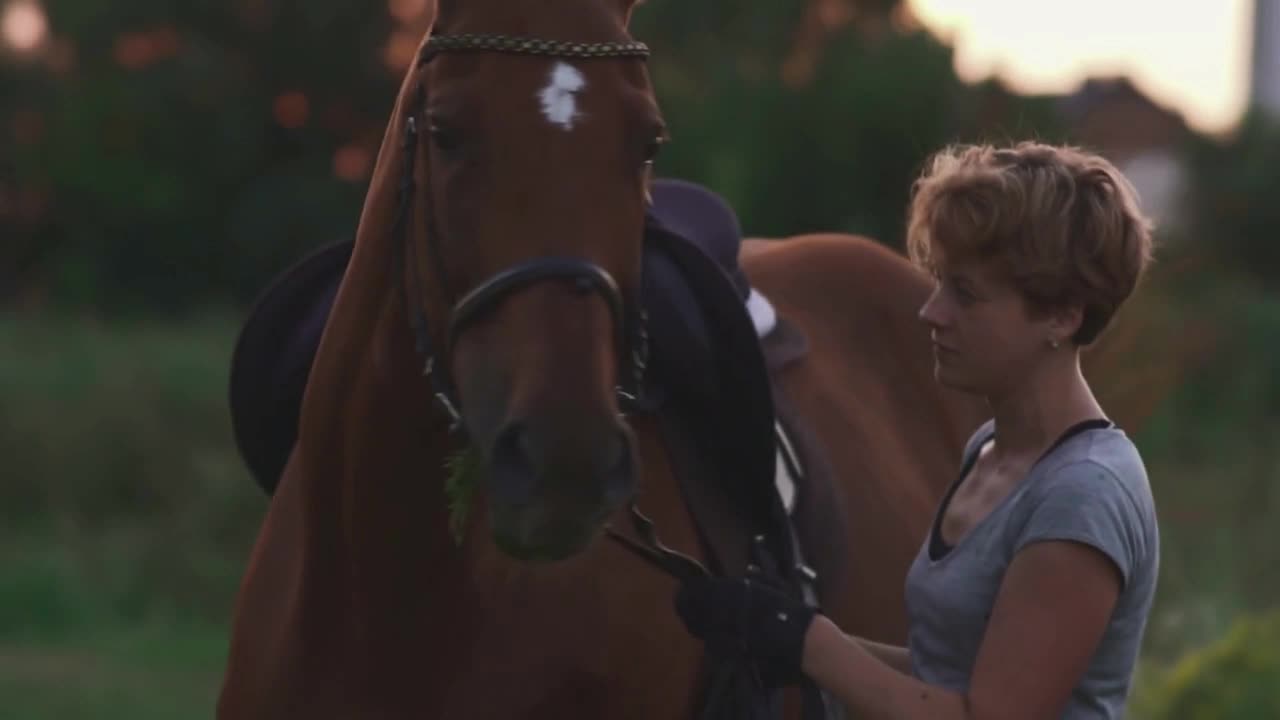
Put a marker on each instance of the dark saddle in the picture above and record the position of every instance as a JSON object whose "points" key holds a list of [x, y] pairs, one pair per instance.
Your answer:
{"points": [[711, 383]]}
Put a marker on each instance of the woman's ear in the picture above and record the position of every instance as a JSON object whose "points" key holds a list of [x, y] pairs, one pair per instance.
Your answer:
{"points": [[1065, 321]]}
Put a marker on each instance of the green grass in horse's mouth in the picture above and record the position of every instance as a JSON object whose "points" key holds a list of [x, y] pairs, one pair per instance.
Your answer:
{"points": [[462, 477]]}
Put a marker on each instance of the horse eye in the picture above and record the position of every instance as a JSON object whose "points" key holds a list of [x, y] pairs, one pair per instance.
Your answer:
{"points": [[444, 137]]}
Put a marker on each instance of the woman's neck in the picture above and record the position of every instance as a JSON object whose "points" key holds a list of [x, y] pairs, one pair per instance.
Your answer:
{"points": [[1034, 414]]}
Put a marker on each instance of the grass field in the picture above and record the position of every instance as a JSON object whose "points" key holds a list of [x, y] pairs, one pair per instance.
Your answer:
{"points": [[125, 518], [143, 672]]}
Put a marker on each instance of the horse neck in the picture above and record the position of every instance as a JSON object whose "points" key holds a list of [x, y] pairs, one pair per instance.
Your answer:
{"points": [[381, 566], [372, 446]]}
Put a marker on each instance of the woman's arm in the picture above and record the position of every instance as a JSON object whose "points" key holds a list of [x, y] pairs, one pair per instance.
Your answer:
{"points": [[867, 684], [898, 658], [1049, 616]]}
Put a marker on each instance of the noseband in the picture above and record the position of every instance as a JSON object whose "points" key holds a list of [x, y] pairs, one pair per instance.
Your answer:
{"points": [[630, 334]]}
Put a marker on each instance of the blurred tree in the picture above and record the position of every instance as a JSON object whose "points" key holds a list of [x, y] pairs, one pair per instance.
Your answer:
{"points": [[188, 150], [835, 147], [165, 155], [1235, 184]]}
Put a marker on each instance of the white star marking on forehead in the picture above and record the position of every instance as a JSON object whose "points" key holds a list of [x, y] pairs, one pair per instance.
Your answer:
{"points": [[559, 97]]}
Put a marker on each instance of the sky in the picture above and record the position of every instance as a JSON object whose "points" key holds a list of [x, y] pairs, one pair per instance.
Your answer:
{"points": [[1190, 55]]}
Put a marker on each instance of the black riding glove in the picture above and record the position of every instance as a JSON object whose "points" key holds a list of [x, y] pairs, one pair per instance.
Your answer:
{"points": [[746, 617]]}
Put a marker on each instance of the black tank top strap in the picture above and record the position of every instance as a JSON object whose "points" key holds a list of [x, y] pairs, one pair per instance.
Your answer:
{"points": [[938, 548]]}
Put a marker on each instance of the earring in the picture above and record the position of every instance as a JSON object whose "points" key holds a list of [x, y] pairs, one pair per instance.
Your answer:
{"points": [[1053, 343]]}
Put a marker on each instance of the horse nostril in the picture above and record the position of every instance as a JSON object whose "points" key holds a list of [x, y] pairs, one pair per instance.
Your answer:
{"points": [[512, 465], [589, 466]]}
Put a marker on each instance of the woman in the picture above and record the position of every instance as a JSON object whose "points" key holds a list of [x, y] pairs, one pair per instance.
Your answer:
{"points": [[1030, 595]]}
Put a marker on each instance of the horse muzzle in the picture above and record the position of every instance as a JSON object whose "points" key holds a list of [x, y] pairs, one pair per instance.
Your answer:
{"points": [[552, 486]]}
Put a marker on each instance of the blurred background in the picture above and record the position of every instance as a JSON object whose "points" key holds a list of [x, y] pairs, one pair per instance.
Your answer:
{"points": [[160, 161]]}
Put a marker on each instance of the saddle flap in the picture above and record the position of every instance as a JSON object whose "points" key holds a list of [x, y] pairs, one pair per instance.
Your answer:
{"points": [[726, 404], [272, 359]]}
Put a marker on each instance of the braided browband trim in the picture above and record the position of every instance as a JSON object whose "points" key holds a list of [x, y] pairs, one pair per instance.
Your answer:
{"points": [[529, 46]]}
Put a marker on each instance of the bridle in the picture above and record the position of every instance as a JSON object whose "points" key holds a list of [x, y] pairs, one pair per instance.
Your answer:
{"points": [[630, 333]]}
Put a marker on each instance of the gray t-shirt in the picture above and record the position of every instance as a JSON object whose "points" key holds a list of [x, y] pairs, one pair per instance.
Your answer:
{"points": [[1091, 488]]}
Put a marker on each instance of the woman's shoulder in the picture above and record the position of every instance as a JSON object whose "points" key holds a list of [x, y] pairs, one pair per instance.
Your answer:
{"points": [[1105, 461], [1094, 489]]}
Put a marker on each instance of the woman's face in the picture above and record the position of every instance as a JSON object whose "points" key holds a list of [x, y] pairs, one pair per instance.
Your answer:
{"points": [[985, 339]]}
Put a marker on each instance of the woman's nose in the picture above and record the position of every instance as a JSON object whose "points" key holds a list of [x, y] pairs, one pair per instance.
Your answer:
{"points": [[929, 312]]}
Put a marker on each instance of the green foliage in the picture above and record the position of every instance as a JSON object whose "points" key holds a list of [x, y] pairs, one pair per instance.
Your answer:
{"points": [[835, 153], [463, 477], [754, 34], [1235, 678], [126, 517], [119, 460], [1235, 185], [173, 185], [1208, 445]]}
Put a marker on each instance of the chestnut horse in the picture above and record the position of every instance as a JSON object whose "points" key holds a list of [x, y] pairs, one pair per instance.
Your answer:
{"points": [[501, 237]]}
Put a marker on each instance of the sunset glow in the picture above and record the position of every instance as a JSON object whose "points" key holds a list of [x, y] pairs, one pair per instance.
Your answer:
{"points": [[1191, 56]]}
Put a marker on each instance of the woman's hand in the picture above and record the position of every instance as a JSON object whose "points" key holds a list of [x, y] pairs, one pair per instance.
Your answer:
{"points": [[745, 616]]}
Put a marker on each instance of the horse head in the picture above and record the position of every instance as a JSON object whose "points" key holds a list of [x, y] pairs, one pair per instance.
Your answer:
{"points": [[529, 141]]}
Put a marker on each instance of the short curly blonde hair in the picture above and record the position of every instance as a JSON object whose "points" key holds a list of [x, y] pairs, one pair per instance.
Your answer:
{"points": [[1064, 224]]}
